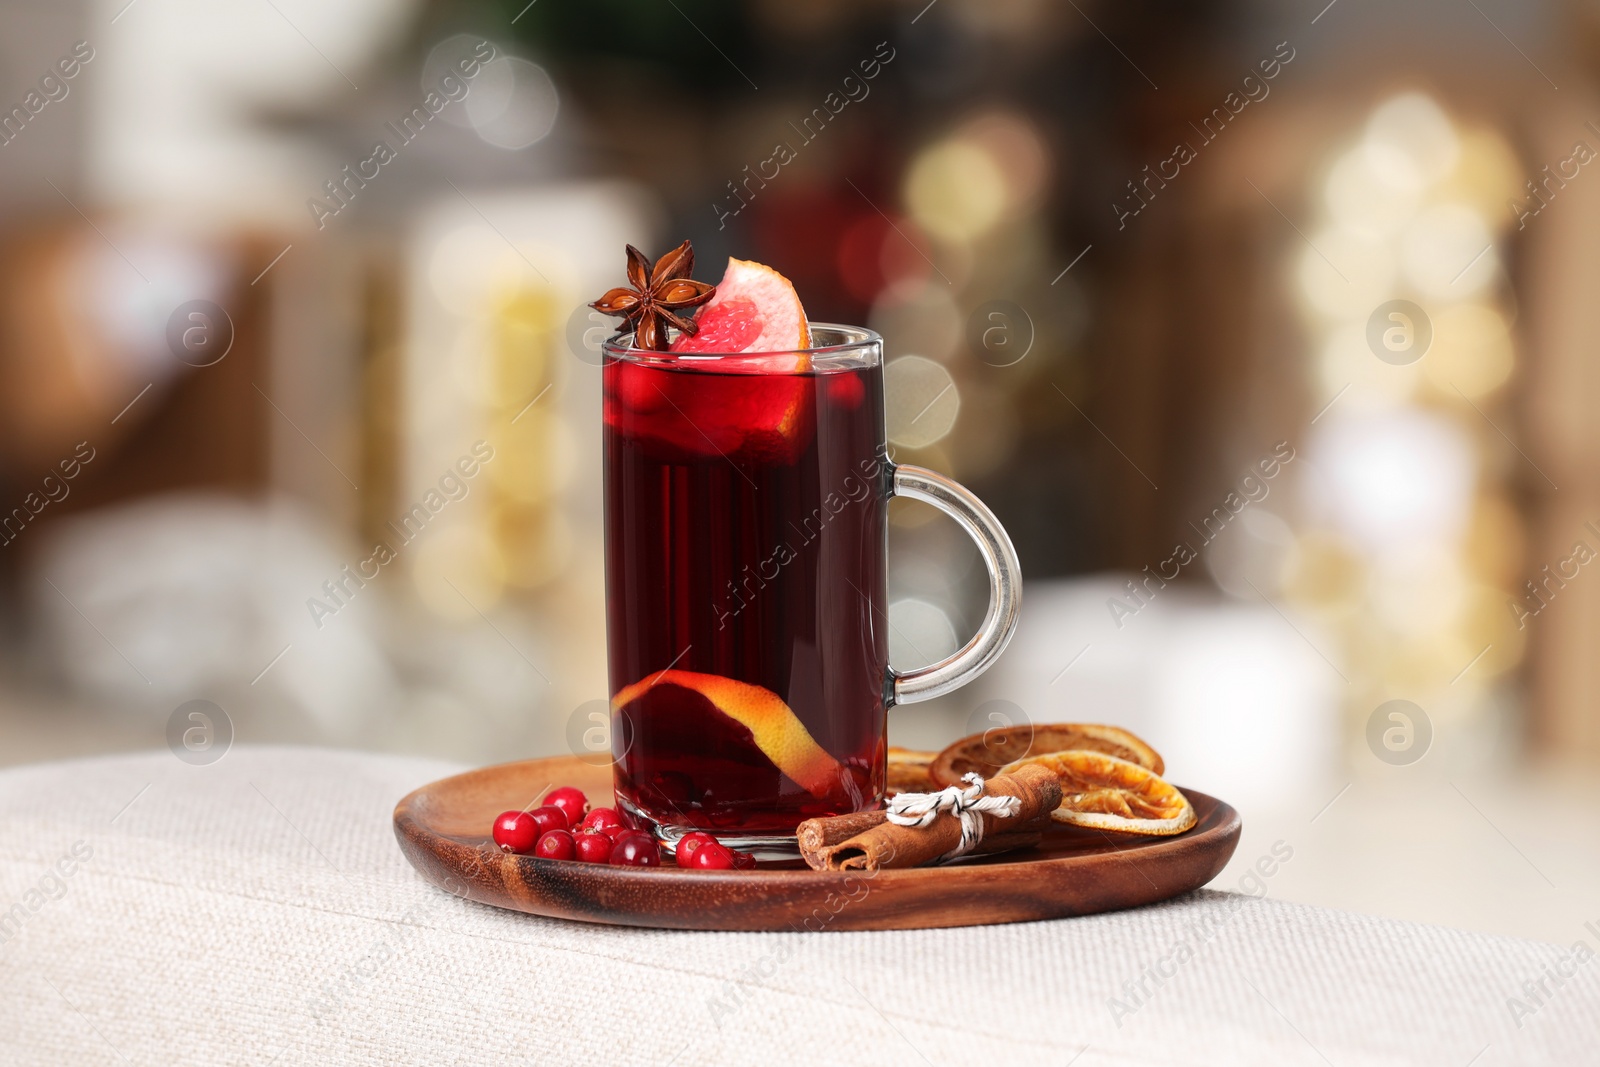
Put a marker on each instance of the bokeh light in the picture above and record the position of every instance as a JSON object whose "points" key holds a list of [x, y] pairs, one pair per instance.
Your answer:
{"points": [[1361, 197], [1395, 479], [956, 191], [921, 401], [1486, 176], [1447, 252], [1343, 273], [1346, 363], [511, 102], [1017, 149], [918, 317], [1404, 533], [1411, 141], [530, 109], [457, 571], [877, 253], [1472, 351]]}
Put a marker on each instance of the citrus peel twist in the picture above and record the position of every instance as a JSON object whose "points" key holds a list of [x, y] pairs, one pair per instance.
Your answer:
{"points": [[775, 728]]}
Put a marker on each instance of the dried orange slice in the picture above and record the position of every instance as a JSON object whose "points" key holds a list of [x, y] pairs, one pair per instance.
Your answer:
{"points": [[986, 753], [1106, 793], [776, 730], [908, 771]]}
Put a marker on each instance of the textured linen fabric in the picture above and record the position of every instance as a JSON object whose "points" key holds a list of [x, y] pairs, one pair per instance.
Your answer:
{"points": [[258, 911]]}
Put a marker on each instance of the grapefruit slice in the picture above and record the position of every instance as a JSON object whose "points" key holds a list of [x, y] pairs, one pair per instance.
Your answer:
{"points": [[756, 404], [1103, 792], [987, 752], [776, 730], [755, 310]]}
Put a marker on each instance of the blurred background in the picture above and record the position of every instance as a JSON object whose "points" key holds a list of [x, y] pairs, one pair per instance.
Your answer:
{"points": [[1265, 329]]}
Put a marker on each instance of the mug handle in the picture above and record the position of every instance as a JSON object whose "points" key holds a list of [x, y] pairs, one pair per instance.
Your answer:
{"points": [[1005, 586]]}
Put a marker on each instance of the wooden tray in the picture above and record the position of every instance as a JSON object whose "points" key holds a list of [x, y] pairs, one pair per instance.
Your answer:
{"points": [[443, 829]]}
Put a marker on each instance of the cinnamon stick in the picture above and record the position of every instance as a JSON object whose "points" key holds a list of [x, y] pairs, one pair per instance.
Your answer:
{"points": [[867, 840], [815, 835]]}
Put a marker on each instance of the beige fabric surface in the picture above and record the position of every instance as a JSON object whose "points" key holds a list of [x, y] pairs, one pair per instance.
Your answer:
{"points": [[258, 911]]}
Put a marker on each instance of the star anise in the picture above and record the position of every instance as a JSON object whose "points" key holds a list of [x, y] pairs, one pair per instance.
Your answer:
{"points": [[657, 293]]}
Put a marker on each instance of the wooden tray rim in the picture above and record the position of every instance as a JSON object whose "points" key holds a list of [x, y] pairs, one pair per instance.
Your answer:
{"points": [[1218, 820]]}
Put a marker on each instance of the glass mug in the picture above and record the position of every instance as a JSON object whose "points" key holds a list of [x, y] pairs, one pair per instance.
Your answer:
{"points": [[746, 541]]}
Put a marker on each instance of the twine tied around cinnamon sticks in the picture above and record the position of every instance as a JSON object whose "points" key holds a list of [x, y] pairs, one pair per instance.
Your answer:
{"points": [[967, 804], [1009, 812]]}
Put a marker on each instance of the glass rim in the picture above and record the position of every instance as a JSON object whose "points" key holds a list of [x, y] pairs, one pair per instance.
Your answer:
{"points": [[853, 341]]}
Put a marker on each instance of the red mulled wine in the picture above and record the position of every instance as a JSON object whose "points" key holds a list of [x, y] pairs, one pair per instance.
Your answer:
{"points": [[745, 503]]}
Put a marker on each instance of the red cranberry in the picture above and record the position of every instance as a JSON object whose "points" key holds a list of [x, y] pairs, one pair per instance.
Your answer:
{"points": [[571, 801], [635, 849], [743, 861], [614, 832], [556, 845], [689, 842], [516, 831], [549, 818], [600, 818], [593, 847], [711, 857]]}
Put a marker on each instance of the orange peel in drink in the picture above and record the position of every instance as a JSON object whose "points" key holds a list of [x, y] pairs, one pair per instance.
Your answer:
{"points": [[775, 728]]}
